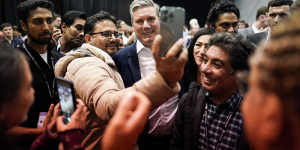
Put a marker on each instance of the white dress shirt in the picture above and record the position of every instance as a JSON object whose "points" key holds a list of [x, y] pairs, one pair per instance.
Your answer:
{"points": [[160, 119]]}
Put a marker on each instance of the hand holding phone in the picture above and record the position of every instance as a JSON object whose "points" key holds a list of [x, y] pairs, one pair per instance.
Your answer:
{"points": [[67, 98]]}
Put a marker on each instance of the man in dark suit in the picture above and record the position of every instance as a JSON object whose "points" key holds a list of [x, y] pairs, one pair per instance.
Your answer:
{"points": [[278, 10], [136, 61]]}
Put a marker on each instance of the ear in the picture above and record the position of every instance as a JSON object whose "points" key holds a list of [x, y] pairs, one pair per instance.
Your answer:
{"points": [[23, 26], [272, 119], [87, 38], [63, 27]]}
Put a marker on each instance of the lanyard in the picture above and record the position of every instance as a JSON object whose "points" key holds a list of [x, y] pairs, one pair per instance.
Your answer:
{"points": [[42, 73]]}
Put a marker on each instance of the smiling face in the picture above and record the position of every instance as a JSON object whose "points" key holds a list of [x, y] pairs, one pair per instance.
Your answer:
{"points": [[146, 25], [200, 47], [104, 36], [216, 71], [39, 25]]}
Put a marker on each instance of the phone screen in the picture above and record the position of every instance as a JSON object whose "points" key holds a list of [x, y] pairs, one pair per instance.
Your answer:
{"points": [[66, 98], [171, 26]]}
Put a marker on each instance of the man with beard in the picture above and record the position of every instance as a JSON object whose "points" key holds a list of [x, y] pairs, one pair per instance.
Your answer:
{"points": [[35, 19], [278, 10], [72, 31]]}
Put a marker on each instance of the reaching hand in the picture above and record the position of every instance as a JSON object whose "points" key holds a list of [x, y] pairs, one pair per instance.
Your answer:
{"points": [[78, 119], [127, 123], [171, 67]]}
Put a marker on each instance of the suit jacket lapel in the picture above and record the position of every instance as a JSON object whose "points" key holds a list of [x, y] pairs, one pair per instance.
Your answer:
{"points": [[133, 62]]}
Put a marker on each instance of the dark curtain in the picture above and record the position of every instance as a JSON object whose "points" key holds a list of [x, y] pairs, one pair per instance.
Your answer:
{"points": [[118, 8]]}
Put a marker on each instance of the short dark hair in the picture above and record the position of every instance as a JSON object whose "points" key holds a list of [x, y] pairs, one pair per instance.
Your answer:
{"points": [[236, 46], [191, 68], [221, 8], [12, 72], [92, 20], [70, 16], [6, 24], [24, 8], [261, 11], [275, 3]]}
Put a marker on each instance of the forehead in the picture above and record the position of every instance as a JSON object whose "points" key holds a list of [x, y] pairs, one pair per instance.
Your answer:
{"points": [[204, 38], [215, 52], [79, 21], [279, 9], [7, 27], [105, 25], [227, 17], [40, 13], [145, 11]]}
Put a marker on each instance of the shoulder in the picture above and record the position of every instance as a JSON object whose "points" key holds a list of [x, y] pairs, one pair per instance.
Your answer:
{"points": [[125, 51]]}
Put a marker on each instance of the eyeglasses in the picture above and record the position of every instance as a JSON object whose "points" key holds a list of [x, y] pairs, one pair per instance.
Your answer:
{"points": [[108, 34]]}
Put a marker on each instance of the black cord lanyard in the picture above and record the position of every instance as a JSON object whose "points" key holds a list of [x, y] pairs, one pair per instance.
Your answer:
{"points": [[229, 117], [38, 66]]}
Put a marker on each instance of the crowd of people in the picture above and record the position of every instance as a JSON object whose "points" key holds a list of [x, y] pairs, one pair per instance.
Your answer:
{"points": [[223, 86]]}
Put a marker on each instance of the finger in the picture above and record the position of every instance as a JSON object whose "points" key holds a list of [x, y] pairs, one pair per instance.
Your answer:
{"points": [[79, 101], [50, 110], [140, 114], [175, 49], [156, 47], [60, 123], [182, 59], [78, 110], [56, 110]]}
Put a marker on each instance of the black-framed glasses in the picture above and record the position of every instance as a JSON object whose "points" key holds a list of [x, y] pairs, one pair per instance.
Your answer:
{"points": [[108, 34]]}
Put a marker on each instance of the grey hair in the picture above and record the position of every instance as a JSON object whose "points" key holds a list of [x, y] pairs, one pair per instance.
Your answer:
{"points": [[142, 3]]}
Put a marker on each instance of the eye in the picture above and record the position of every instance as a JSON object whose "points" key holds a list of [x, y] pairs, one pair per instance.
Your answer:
{"points": [[272, 15], [37, 21], [79, 27], [139, 21], [204, 59], [49, 20]]}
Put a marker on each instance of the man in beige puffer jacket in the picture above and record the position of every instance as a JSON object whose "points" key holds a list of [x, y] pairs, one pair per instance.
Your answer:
{"points": [[98, 83]]}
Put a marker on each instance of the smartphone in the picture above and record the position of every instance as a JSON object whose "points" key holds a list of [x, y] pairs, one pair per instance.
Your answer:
{"points": [[67, 99], [172, 20]]}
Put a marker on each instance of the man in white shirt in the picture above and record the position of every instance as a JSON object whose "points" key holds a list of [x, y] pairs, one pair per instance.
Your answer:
{"points": [[136, 62], [260, 25]]}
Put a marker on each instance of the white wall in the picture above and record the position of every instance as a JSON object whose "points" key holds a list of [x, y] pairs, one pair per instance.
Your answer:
{"points": [[248, 8]]}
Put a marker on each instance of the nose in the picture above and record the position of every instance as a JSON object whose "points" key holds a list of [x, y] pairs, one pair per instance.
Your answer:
{"points": [[146, 24], [231, 29], [81, 34], [47, 26], [277, 19], [205, 68]]}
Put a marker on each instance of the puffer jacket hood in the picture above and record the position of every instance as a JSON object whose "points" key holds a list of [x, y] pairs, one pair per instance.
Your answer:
{"points": [[86, 50]]}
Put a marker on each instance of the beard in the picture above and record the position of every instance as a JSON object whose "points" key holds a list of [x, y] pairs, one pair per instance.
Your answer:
{"points": [[41, 41]]}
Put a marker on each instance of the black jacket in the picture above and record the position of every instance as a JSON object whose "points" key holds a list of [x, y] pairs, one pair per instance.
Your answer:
{"points": [[188, 118], [43, 83]]}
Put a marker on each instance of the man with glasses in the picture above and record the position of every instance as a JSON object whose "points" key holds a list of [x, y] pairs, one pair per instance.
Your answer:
{"points": [[98, 83], [278, 10], [224, 17]]}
